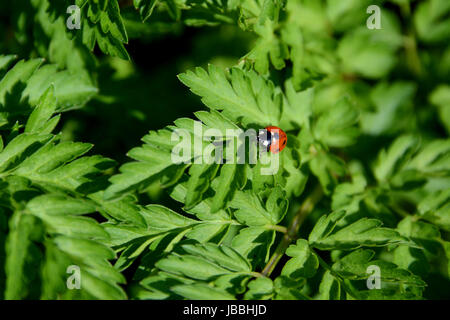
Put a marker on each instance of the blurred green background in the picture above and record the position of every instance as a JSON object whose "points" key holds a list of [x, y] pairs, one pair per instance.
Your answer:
{"points": [[398, 79]]}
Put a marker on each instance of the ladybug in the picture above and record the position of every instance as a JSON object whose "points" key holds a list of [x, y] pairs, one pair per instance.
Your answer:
{"points": [[272, 138]]}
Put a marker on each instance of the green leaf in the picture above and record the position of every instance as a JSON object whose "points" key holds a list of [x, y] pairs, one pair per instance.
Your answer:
{"points": [[329, 288], [158, 286], [336, 127], [297, 107], [431, 22], [222, 255], [252, 212], [389, 162], [254, 243], [312, 49], [6, 60], [245, 97], [259, 289], [348, 195], [18, 148], [161, 218], [104, 25], [174, 9], [54, 205], [213, 225], [294, 173], [391, 101], [364, 232], [27, 82], [346, 15], [354, 266], [232, 283], [23, 230], [440, 97], [371, 53], [325, 225], [155, 160], [288, 289], [152, 158], [446, 245], [198, 266], [72, 89], [101, 289], [42, 113], [145, 7], [424, 234], [436, 208], [124, 209], [230, 179], [83, 248], [268, 47], [20, 73], [303, 262], [433, 158], [327, 167], [62, 217], [56, 166], [199, 182]]}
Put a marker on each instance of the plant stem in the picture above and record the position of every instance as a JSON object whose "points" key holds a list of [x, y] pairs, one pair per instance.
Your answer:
{"points": [[410, 43], [412, 56], [278, 228], [292, 230]]}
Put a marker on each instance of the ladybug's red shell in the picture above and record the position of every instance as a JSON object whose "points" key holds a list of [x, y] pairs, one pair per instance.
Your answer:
{"points": [[278, 139]]}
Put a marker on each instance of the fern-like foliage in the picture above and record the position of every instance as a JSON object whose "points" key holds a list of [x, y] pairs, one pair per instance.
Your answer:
{"points": [[362, 184], [100, 24], [252, 207], [45, 188], [24, 83]]}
